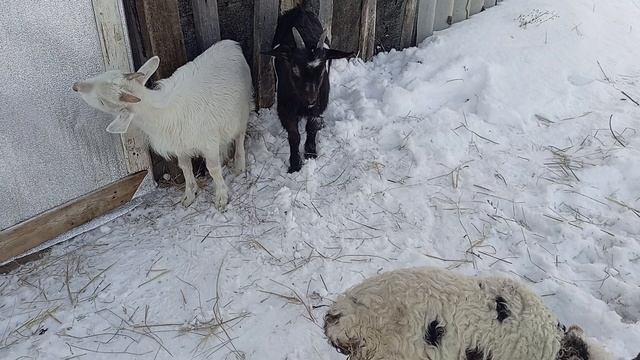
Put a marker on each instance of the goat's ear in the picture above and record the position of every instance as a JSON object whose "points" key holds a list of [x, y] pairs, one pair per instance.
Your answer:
{"points": [[278, 52], [337, 54], [148, 69], [128, 98], [121, 123]]}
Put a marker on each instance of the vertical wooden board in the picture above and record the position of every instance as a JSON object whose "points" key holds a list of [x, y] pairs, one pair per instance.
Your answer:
{"points": [[187, 24], [475, 6], [426, 18], [367, 40], [407, 36], [389, 20], [236, 23], [155, 29], [325, 13], [207, 25], [460, 10], [444, 11], [264, 27], [113, 39], [345, 31]]}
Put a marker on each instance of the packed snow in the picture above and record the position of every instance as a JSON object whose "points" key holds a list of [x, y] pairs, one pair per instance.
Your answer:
{"points": [[506, 144]]}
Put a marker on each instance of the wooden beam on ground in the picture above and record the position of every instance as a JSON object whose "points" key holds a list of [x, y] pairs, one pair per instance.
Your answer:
{"points": [[29, 234], [265, 17], [115, 49], [367, 40], [205, 17], [154, 29]]}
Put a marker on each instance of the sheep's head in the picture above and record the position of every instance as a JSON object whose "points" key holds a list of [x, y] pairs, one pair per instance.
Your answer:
{"points": [[351, 332], [576, 346], [308, 64], [115, 92]]}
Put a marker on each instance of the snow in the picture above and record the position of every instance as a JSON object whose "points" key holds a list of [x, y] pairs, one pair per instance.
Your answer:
{"points": [[488, 149]]}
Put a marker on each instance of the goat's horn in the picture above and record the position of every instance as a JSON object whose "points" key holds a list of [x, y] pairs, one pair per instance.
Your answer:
{"points": [[298, 39], [323, 37]]}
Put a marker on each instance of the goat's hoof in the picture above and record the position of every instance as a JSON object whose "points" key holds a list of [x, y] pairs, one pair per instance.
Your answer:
{"points": [[294, 169], [221, 200], [239, 170], [310, 155], [187, 199]]}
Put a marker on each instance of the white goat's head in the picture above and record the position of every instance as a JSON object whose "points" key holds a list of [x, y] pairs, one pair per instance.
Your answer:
{"points": [[115, 92]]}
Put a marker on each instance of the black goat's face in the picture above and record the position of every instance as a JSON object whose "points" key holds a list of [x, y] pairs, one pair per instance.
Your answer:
{"points": [[307, 65]]}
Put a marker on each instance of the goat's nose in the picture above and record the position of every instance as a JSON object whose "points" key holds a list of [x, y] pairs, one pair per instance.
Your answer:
{"points": [[75, 87]]}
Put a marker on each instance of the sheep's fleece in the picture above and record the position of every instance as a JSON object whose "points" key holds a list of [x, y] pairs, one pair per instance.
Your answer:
{"points": [[435, 314]]}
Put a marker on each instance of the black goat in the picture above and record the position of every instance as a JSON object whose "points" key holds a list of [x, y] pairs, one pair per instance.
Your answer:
{"points": [[302, 71]]}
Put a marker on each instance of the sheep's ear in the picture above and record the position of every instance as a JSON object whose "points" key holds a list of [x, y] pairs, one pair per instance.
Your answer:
{"points": [[121, 123], [148, 69], [337, 54]]}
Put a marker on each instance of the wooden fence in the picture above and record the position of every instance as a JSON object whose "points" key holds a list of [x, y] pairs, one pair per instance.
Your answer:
{"points": [[178, 30]]}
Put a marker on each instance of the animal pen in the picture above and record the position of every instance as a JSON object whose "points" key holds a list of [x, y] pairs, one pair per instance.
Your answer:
{"points": [[95, 172]]}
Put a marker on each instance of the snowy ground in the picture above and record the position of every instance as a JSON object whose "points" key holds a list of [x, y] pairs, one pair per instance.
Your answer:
{"points": [[488, 149]]}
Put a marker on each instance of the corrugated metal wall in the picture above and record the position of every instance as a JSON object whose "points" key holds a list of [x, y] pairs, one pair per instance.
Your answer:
{"points": [[53, 147]]}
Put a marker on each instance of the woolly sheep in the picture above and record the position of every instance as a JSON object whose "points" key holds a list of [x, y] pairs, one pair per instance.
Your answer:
{"points": [[200, 110], [434, 314]]}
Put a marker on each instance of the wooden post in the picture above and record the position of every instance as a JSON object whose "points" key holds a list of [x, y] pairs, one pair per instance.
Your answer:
{"points": [[265, 17], [426, 18], [154, 28], [205, 17], [407, 36], [115, 49], [367, 41]]}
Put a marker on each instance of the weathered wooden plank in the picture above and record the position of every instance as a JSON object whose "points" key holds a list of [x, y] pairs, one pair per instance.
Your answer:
{"points": [[207, 25], [187, 24], [444, 10], [325, 13], [407, 36], [154, 29], [23, 237], [426, 18], [490, 3], [345, 32], [460, 11], [264, 26], [114, 41], [367, 40], [475, 6], [236, 23]]}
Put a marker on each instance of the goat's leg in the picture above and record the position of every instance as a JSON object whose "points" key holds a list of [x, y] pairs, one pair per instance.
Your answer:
{"points": [[295, 162], [314, 124], [239, 156], [214, 166], [190, 184]]}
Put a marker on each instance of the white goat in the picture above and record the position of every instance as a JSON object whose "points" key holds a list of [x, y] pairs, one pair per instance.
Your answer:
{"points": [[434, 314], [203, 107]]}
